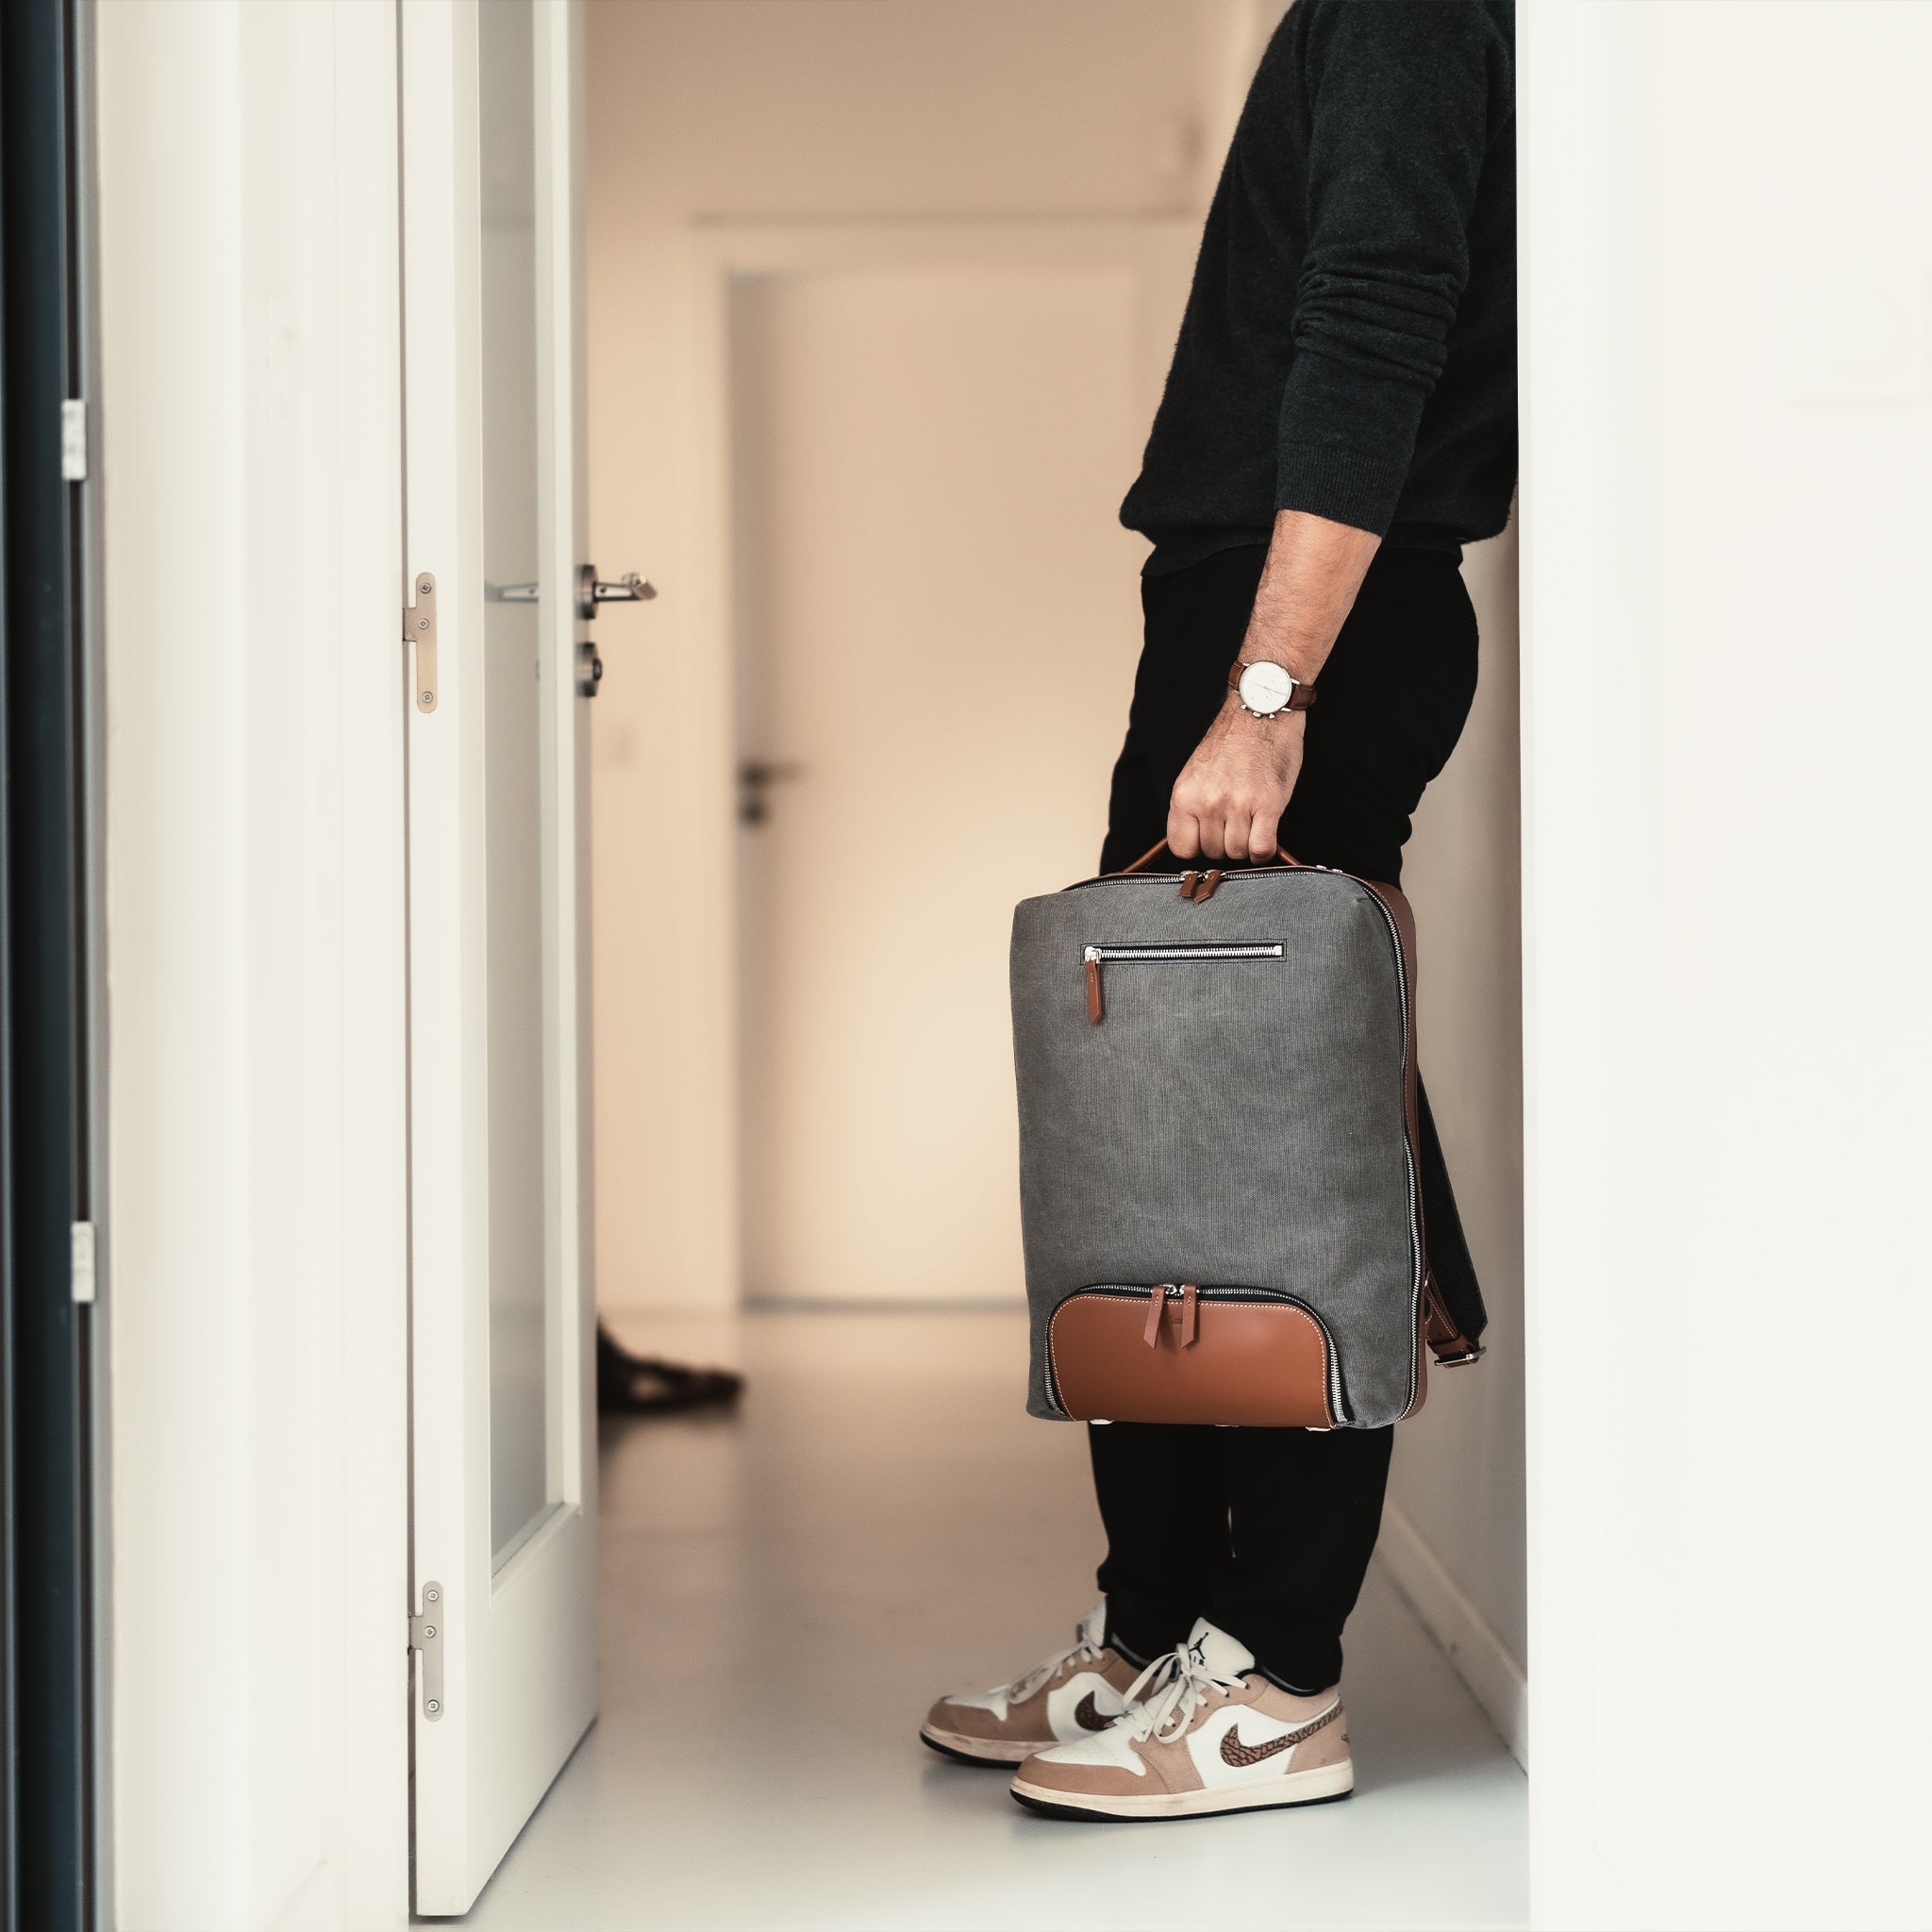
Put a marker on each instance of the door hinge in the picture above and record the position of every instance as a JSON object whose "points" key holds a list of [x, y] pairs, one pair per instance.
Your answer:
{"points": [[82, 1250], [419, 628], [425, 1635], [73, 441]]}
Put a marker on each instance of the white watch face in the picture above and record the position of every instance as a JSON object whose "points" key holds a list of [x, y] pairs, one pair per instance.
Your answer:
{"points": [[1266, 687]]}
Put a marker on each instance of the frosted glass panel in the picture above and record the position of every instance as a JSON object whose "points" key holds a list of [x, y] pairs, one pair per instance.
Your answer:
{"points": [[515, 703]]}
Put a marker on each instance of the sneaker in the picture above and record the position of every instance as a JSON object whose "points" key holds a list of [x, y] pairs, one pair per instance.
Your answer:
{"points": [[1075, 1694], [1206, 1732]]}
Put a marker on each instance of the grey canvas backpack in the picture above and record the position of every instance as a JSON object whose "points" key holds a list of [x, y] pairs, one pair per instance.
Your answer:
{"points": [[1218, 1150]]}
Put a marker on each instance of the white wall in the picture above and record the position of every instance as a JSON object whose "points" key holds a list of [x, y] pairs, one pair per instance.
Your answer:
{"points": [[1453, 1532], [701, 110], [249, 449], [1726, 498]]}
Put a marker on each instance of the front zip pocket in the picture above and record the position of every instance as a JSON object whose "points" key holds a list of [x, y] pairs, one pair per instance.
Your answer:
{"points": [[1097, 957], [1174, 1326]]}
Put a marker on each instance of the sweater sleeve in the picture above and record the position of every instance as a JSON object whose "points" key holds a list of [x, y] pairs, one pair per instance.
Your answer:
{"points": [[1400, 121]]}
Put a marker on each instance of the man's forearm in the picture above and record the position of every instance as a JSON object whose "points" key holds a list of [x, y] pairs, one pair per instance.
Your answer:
{"points": [[1307, 588], [1229, 800]]}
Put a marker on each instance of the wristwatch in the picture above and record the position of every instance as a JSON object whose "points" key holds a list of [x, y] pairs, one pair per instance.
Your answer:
{"points": [[1266, 688]]}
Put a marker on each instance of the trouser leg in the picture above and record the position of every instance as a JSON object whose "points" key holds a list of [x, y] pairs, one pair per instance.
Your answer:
{"points": [[1306, 1507], [1270, 1531], [1163, 1490]]}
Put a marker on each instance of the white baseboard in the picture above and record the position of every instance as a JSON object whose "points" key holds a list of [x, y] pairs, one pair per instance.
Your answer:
{"points": [[1495, 1680]]}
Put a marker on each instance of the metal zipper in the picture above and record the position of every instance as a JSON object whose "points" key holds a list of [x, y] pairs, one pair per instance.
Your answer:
{"points": [[1250, 949], [1096, 956]]}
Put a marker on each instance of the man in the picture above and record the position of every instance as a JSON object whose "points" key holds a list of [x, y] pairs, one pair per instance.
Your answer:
{"points": [[1339, 421]]}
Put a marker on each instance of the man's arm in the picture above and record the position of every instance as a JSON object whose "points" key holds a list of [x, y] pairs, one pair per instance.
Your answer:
{"points": [[1228, 802], [1404, 98]]}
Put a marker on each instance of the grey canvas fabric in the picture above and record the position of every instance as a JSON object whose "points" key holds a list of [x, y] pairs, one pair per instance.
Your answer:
{"points": [[1231, 1123]]}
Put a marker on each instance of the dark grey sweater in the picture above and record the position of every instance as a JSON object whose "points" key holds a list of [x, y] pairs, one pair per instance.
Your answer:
{"points": [[1349, 346]]}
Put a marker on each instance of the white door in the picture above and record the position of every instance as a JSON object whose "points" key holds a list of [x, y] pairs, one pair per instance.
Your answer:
{"points": [[502, 1320], [938, 619]]}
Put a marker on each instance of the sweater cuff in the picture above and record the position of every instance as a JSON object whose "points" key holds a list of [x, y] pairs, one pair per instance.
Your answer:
{"points": [[1347, 485], [1344, 440]]}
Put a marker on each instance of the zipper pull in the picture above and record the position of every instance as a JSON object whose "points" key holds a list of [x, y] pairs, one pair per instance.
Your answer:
{"points": [[1205, 890], [1094, 1009], [1191, 1314], [1156, 1307], [1187, 880]]}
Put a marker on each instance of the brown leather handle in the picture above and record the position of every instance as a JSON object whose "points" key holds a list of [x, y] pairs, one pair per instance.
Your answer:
{"points": [[1141, 864]]}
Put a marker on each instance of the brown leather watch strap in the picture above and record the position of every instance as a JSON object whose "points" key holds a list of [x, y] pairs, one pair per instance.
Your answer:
{"points": [[1300, 698]]}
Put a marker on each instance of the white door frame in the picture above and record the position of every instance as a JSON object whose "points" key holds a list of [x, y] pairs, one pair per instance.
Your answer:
{"points": [[246, 438]]}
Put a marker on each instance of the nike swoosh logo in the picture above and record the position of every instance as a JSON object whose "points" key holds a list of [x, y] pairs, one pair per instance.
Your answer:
{"points": [[1239, 1756], [1086, 1715]]}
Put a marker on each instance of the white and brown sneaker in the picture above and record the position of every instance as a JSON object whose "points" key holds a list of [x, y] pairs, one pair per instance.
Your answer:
{"points": [[1073, 1693], [1207, 1732]]}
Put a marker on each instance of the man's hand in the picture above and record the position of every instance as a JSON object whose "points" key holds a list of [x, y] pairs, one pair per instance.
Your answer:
{"points": [[1227, 803]]}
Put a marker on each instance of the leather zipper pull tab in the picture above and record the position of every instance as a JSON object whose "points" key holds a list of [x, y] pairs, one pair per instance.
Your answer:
{"points": [[1187, 883], [1205, 890], [1191, 1314], [1094, 1009], [1156, 1303]]}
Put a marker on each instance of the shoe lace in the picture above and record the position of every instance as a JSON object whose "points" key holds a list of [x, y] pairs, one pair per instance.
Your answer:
{"points": [[1079, 1652], [1162, 1700]]}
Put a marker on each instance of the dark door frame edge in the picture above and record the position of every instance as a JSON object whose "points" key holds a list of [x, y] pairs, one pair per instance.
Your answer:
{"points": [[47, 1003]]}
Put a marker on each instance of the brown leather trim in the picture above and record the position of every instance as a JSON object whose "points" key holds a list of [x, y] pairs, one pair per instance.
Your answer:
{"points": [[1260, 1364], [1147, 859], [1096, 1008], [1452, 1348], [1432, 1317]]}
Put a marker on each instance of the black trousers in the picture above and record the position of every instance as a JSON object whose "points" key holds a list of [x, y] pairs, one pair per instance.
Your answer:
{"points": [[1268, 1532]]}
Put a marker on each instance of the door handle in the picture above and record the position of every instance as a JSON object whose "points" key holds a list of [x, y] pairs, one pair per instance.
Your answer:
{"points": [[756, 777], [592, 590]]}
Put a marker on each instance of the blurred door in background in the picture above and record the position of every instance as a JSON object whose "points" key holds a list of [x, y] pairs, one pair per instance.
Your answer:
{"points": [[503, 1469], [938, 620]]}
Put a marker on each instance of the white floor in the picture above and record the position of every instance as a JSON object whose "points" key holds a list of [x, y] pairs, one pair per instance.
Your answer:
{"points": [[785, 1592]]}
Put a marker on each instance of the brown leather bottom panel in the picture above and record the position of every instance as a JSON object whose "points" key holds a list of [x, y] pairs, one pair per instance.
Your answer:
{"points": [[1262, 1364]]}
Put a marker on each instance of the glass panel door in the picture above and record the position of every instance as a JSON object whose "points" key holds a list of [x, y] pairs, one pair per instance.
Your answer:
{"points": [[503, 1471], [517, 689]]}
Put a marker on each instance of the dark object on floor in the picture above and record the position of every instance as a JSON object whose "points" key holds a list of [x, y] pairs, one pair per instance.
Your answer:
{"points": [[644, 1384]]}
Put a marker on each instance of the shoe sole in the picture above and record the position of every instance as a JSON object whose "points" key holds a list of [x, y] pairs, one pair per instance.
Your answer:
{"points": [[1327, 1784], [964, 1750]]}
